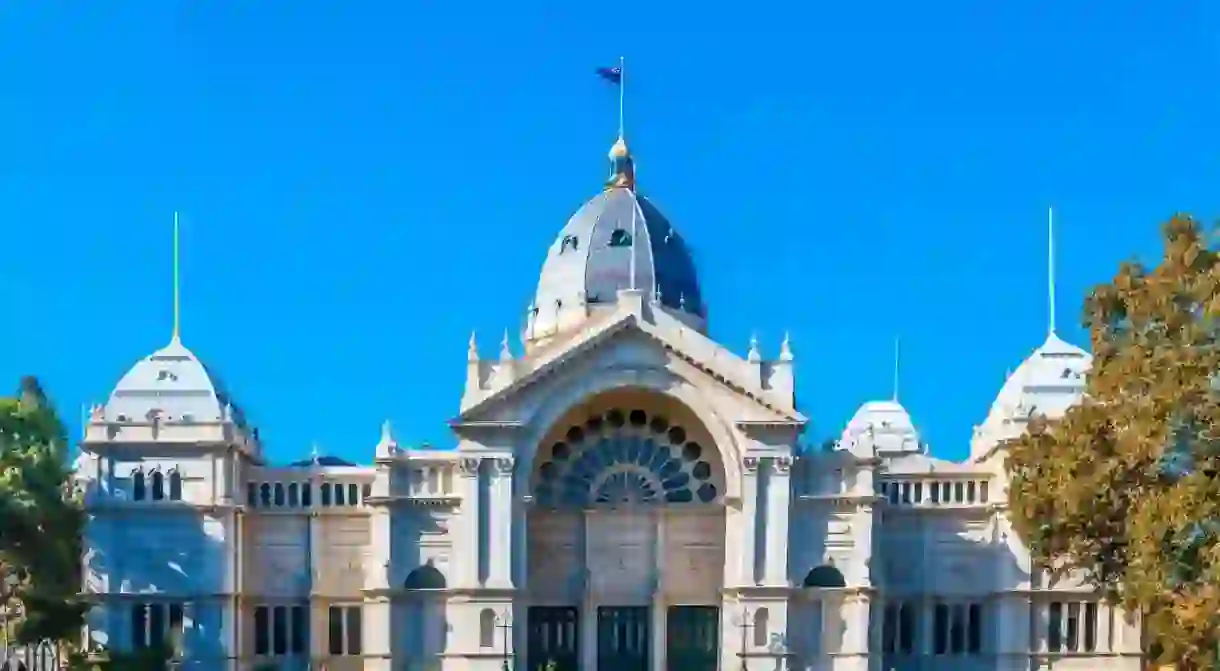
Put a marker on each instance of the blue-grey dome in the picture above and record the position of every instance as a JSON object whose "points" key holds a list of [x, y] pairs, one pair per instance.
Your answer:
{"points": [[591, 260]]}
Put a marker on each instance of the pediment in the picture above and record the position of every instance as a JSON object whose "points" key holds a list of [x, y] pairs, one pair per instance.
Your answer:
{"points": [[618, 347]]}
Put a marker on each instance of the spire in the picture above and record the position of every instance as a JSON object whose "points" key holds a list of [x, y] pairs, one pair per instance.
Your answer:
{"points": [[897, 361], [785, 348], [1050, 270], [506, 352], [472, 350], [622, 167], [175, 336], [754, 355]]}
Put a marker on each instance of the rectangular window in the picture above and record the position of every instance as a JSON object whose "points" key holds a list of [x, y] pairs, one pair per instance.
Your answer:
{"points": [[354, 630], [940, 631], [139, 626], [293, 498], [325, 487], [353, 494], [945, 487], [906, 628], [339, 494], [156, 624], [1054, 628], [983, 491], [1090, 627], [894, 493], [300, 630], [970, 492], [335, 626], [1073, 627], [367, 492], [176, 627], [307, 494], [889, 629], [906, 493], [974, 629], [934, 490], [918, 492], [279, 630], [262, 631], [959, 493], [957, 630], [251, 494]]}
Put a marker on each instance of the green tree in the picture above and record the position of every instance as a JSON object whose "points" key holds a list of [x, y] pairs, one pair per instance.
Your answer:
{"points": [[42, 521], [1124, 489]]}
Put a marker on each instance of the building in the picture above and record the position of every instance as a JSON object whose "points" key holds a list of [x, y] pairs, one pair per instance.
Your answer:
{"points": [[625, 494]]}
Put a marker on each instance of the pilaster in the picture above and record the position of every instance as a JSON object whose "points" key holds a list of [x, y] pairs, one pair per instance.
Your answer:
{"points": [[853, 654], [500, 548], [467, 561], [749, 522], [779, 493]]}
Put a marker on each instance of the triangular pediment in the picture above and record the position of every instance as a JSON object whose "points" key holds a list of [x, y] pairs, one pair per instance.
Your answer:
{"points": [[630, 340]]}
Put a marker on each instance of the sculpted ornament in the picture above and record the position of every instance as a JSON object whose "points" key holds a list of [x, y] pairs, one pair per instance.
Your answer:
{"points": [[751, 464], [469, 467], [782, 465], [505, 465]]}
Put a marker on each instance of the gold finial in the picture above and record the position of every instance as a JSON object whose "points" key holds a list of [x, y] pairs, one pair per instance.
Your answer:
{"points": [[622, 168], [619, 150]]}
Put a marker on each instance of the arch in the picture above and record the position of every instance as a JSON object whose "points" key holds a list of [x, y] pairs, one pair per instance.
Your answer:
{"points": [[762, 624], [158, 486], [826, 576], [264, 495], [662, 381], [293, 494], [628, 447], [324, 491], [137, 485], [425, 577], [277, 492], [175, 485], [487, 628]]}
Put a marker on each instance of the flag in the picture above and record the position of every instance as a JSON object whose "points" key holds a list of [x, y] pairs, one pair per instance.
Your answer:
{"points": [[613, 75]]}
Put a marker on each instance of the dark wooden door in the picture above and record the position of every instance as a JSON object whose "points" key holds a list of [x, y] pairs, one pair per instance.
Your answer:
{"points": [[553, 636], [692, 638], [623, 638]]}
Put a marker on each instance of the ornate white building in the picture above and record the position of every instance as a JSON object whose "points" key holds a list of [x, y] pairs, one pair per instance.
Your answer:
{"points": [[625, 494]]}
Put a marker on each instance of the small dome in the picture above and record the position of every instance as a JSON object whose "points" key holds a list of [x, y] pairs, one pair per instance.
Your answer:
{"points": [[1050, 381], [175, 385], [591, 260], [892, 430]]}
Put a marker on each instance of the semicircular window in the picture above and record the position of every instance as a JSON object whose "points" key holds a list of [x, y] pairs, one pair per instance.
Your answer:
{"points": [[625, 457]]}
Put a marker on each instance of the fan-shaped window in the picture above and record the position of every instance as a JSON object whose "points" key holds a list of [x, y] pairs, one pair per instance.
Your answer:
{"points": [[137, 486], [620, 237], [158, 486], [175, 485], [625, 457], [425, 577], [825, 576], [487, 628]]}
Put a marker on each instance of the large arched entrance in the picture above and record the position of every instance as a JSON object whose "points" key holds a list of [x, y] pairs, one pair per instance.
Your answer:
{"points": [[626, 538]]}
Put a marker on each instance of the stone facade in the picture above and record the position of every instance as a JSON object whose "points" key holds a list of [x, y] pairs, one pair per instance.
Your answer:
{"points": [[625, 493]]}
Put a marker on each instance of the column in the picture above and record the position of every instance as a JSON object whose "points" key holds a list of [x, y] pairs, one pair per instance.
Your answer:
{"points": [[500, 516], [588, 604], [749, 518], [853, 655], [466, 552], [659, 606], [778, 501]]}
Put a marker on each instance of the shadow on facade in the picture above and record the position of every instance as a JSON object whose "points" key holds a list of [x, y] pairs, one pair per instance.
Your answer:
{"points": [[158, 568], [420, 619]]}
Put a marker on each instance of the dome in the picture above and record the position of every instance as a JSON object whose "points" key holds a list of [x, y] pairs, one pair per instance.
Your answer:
{"points": [[1047, 383], [892, 430], [592, 259], [173, 384]]}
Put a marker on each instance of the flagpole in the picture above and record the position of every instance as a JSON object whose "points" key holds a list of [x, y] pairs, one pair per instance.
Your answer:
{"points": [[622, 83]]}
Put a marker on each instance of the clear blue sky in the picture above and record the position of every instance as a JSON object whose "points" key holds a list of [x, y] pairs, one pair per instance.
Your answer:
{"points": [[364, 183]]}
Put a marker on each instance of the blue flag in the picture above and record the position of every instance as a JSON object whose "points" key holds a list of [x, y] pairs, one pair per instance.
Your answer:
{"points": [[613, 75]]}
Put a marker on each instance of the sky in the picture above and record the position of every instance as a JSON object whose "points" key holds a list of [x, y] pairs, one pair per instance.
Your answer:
{"points": [[362, 184]]}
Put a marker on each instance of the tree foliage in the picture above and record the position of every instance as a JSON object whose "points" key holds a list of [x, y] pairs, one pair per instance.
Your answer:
{"points": [[1124, 488], [42, 521]]}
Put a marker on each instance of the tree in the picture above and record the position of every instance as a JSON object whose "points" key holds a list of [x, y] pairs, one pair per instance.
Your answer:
{"points": [[43, 521], [1124, 489]]}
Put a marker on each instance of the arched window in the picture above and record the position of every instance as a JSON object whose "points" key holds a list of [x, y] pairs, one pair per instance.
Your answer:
{"points": [[158, 486], [425, 577], [825, 576], [761, 623], [324, 490], [175, 485], [279, 494], [487, 628], [619, 237], [137, 486], [292, 494], [264, 495]]}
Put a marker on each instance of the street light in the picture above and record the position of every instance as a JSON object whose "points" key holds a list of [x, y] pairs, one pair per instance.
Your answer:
{"points": [[504, 623], [745, 622]]}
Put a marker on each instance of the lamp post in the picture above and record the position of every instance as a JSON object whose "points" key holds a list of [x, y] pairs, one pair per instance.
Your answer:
{"points": [[504, 622], [745, 622]]}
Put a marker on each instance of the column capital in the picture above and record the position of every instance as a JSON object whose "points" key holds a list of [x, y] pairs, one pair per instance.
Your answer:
{"points": [[750, 464], [469, 466], [504, 465], [781, 465]]}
